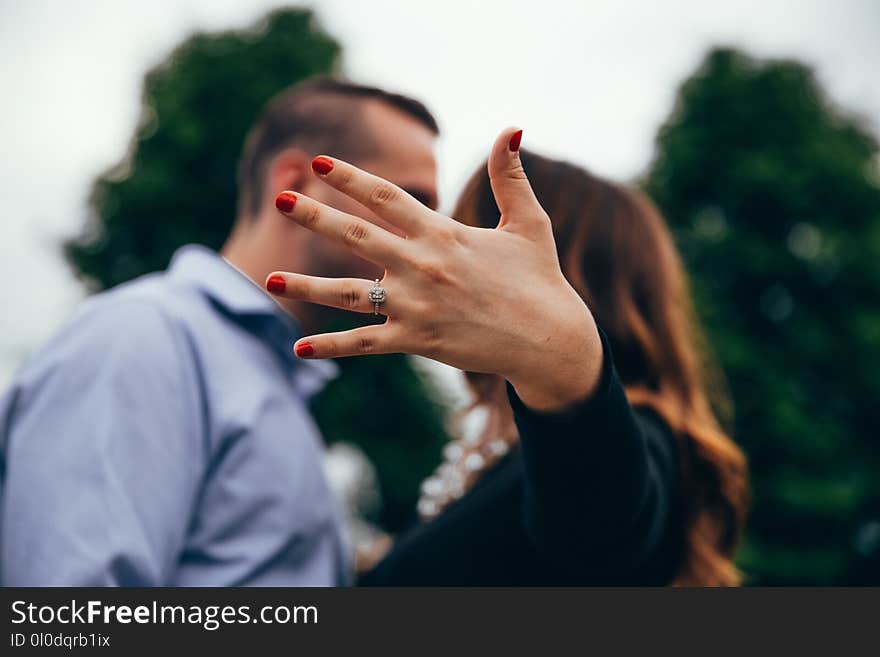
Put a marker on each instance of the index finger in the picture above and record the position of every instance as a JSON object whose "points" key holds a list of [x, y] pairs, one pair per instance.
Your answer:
{"points": [[363, 237], [386, 199]]}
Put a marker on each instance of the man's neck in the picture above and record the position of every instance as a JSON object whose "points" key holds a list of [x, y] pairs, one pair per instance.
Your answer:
{"points": [[239, 252], [256, 256]]}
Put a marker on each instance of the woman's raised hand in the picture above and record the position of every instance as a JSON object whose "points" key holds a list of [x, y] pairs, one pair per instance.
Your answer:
{"points": [[483, 300]]}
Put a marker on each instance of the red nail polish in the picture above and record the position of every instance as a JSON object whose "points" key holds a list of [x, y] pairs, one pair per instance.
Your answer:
{"points": [[515, 139], [276, 284], [322, 165], [285, 201], [304, 349]]}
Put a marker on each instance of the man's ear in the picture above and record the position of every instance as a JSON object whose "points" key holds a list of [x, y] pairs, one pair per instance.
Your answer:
{"points": [[290, 169]]}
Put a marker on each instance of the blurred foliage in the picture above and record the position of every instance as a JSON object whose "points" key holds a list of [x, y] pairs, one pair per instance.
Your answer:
{"points": [[177, 186], [774, 198], [177, 183]]}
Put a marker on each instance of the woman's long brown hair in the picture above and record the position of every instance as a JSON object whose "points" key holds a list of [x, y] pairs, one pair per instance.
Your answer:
{"points": [[617, 252]]}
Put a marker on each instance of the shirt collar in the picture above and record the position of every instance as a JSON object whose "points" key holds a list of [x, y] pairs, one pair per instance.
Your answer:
{"points": [[219, 280], [244, 301]]}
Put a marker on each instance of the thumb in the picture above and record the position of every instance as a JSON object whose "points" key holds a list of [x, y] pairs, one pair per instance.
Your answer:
{"points": [[513, 193]]}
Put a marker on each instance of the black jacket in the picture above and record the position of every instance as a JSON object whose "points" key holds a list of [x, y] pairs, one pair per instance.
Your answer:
{"points": [[589, 497]]}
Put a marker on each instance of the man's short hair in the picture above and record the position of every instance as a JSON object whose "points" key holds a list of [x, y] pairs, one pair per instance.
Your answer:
{"points": [[320, 115]]}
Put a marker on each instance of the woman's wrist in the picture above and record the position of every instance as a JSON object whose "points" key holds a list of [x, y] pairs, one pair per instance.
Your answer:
{"points": [[562, 372]]}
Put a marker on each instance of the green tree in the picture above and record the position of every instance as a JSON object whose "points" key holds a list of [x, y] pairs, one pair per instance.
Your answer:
{"points": [[773, 195], [177, 186], [177, 183]]}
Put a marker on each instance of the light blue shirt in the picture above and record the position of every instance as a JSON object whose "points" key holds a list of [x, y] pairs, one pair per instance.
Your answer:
{"points": [[163, 438]]}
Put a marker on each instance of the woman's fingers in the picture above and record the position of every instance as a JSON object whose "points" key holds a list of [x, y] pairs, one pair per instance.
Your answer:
{"points": [[513, 193], [346, 293], [385, 199], [362, 237], [373, 339]]}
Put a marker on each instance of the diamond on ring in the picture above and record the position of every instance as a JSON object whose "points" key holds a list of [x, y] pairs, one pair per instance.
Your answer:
{"points": [[377, 296]]}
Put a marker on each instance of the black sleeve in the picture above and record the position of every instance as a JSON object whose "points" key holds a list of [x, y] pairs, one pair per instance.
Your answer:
{"points": [[589, 498], [600, 481]]}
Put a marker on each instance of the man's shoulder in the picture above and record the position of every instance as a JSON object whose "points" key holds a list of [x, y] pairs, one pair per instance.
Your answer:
{"points": [[150, 308], [151, 297], [141, 325]]}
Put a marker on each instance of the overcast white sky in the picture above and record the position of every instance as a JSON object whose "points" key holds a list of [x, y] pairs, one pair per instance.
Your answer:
{"points": [[590, 81]]}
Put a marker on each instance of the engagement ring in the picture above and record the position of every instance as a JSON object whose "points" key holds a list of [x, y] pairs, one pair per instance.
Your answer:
{"points": [[377, 296]]}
